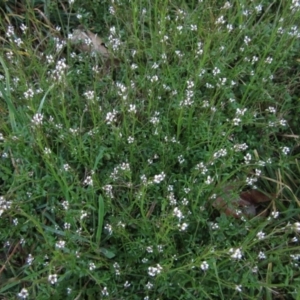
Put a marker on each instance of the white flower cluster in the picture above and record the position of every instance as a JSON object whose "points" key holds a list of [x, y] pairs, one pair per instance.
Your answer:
{"points": [[236, 253], [114, 40], [153, 271], [37, 119], [4, 205], [159, 178], [58, 73]]}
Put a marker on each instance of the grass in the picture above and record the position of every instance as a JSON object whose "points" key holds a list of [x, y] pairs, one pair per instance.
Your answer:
{"points": [[110, 167]]}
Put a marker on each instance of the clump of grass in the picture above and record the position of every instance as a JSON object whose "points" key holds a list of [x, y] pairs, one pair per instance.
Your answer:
{"points": [[107, 175]]}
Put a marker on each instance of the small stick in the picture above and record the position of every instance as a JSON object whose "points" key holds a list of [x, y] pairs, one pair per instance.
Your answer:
{"points": [[12, 253], [151, 209]]}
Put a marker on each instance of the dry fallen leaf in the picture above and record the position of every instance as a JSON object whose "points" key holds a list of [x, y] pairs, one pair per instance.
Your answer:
{"points": [[254, 196], [242, 206], [89, 42]]}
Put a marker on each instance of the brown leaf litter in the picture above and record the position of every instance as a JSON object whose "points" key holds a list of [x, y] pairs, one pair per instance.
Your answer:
{"points": [[245, 205]]}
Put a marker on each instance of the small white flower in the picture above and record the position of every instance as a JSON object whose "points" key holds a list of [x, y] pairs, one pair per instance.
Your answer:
{"points": [[247, 158], [271, 109], [37, 119], [209, 180], [104, 291], [216, 71], [149, 286], [127, 284], [155, 119], [215, 226], [132, 108], [220, 153], [160, 248], [227, 5], [133, 66], [258, 8], [111, 117], [187, 190], [92, 266], [236, 253], [240, 112], [67, 226], [52, 278], [179, 53], [251, 180], [183, 226], [204, 266], [247, 40], [23, 27], [117, 268], [274, 214], [47, 151], [294, 239], [159, 178], [177, 213], [240, 147], [283, 122], [257, 172], [185, 201], [261, 255], [89, 95], [153, 271], [154, 78], [66, 167], [29, 94], [130, 140], [23, 294], [285, 150], [111, 10], [83, 214], [229, 27], [180, 159], [60, 244], [194, 27], [260, 235], [108, 227], [296, 226], [268, 60], [4, 205], [238, 288], [88, 181], [236, 121], [29, 259], [149, 249], [220, 20], [155, 66], [50, 59], [65, 204], [254, 269], [120, 224]]}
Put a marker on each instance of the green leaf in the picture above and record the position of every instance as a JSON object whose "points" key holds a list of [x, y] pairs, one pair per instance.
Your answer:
{"points": [[107, 253]]}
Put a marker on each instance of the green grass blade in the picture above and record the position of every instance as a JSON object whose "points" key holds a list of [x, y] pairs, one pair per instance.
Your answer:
{"points": [[100, 219], [44, 98], [13, 115]]}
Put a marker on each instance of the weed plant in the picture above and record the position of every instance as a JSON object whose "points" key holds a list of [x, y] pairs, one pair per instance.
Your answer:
{"points": [[108, 172]]}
